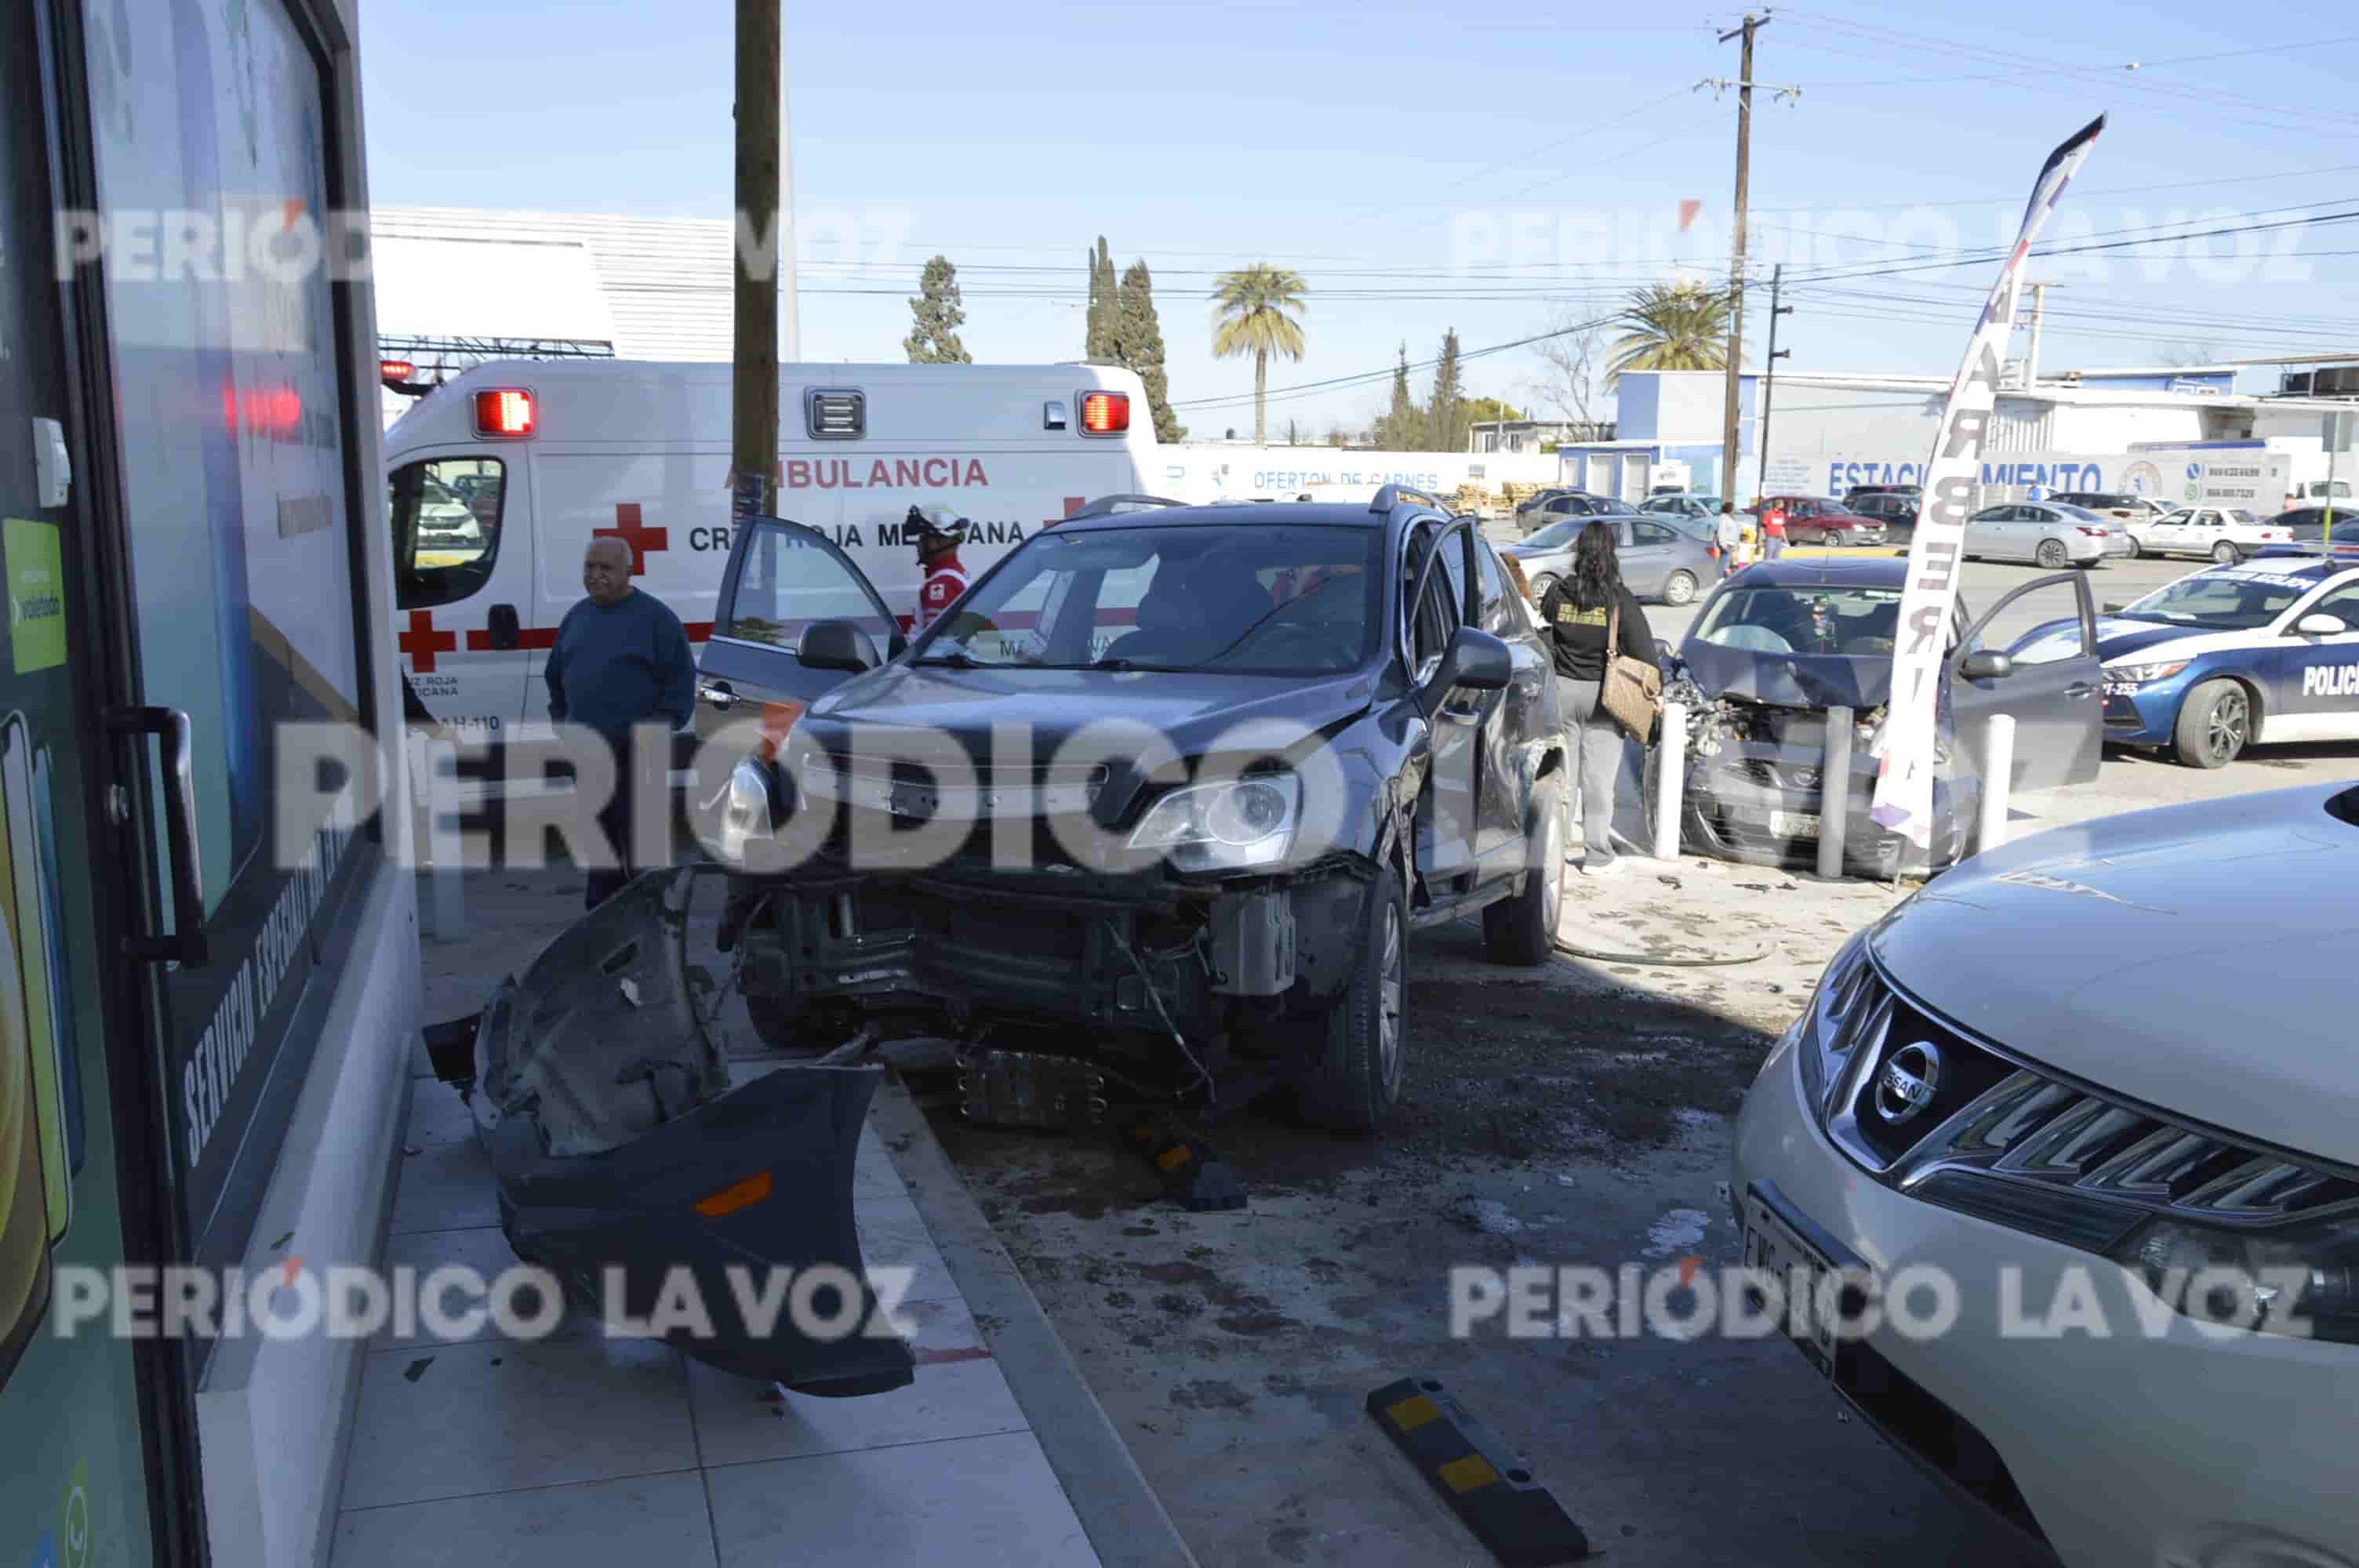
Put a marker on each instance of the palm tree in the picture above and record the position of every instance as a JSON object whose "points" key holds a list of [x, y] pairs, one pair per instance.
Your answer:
{"points": [[1254, 316], [1677, 326]]}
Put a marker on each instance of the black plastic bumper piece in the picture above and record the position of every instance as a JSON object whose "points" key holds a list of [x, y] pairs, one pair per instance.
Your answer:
{"points": [[616, 1225]]}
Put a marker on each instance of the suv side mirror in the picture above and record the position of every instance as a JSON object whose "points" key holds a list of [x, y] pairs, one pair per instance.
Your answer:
{"points": [[2321, 626], [1476, 659], [838, 645], [1985, 664]]}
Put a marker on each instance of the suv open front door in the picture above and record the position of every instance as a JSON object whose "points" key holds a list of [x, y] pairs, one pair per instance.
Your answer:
{"points": [[783, 578], [2053, 688]]}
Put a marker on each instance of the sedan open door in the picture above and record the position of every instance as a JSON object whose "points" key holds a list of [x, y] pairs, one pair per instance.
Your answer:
{"points": [[2048, 676]]}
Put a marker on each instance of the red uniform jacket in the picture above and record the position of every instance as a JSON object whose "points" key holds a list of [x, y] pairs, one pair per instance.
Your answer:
{"points": [[942, 587]]}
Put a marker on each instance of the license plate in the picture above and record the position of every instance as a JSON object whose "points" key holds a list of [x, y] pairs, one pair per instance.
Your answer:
{"points": [[1779, 1250], [1793, 825]]}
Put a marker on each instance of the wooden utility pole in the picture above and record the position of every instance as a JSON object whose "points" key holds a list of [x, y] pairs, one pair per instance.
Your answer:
{"points": [[2039, 314], [1769, 375], [763, 246], [1736, 264]]}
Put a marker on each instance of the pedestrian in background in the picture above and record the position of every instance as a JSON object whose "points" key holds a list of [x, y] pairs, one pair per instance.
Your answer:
{"points": [[622, 659], [937, 563], [1773, 531], [1727, 535], [1589, 614]]}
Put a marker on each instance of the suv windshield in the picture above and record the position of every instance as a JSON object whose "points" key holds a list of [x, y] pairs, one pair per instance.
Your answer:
{"points": [[1269, 599], [1853, 622], [2233, 599]]}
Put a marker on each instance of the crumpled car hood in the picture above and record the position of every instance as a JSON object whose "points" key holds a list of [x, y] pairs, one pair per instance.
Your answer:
{"points": [[1788, 680]]}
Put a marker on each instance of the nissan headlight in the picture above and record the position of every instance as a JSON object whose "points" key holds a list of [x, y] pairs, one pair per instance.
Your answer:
{"points": [[2299, 1280], [1224, 826], [2121, 679]]}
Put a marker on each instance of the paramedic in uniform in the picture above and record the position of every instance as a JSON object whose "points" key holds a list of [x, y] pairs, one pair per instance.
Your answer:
{"points": [[938, 559]]}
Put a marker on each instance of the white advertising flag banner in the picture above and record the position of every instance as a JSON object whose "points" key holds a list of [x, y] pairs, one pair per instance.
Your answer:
{"points": [[1903, 783]]}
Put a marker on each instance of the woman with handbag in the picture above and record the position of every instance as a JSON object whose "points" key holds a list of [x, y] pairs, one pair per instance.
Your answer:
{"points": [[1607, 678]]}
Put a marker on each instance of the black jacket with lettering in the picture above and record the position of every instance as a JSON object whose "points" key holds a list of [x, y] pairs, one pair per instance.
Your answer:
{"points": [[1577, 636]]}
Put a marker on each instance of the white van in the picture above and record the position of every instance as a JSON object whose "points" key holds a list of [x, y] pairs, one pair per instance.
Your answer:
{"points": [[500, 478]]}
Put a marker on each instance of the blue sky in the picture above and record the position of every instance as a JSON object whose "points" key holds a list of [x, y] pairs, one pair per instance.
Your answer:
{"points": [[1395, 154]]}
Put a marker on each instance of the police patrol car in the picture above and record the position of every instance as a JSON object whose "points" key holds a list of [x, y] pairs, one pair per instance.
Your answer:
{"points": [[2260, 653]]}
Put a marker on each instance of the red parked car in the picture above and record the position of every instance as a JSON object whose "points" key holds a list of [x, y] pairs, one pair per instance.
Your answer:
{"points": [[1815, 520]]}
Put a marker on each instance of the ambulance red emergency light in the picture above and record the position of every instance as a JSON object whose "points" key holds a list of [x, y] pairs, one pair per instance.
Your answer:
{"points": [[500, 478]]}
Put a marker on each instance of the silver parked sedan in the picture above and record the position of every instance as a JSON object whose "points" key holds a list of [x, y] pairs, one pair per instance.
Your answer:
{"points": [[1662, 557], [2048, 533]]}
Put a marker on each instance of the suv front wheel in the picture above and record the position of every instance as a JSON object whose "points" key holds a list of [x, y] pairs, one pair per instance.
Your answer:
{"points": [[1522, 929], [1355, 1080]]}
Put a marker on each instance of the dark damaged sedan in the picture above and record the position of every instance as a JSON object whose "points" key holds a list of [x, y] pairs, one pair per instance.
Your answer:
{"points": [[1780, 644], [1156, 802]]}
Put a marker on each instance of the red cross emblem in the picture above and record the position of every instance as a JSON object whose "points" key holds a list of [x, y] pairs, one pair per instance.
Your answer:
{"points": [[422, 642], [641, 540], [1072, 503]]}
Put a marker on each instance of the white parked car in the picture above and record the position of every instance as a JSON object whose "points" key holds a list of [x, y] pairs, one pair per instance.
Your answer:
{"points": [[2227, 534], [2047, 532], [2097, 1080]]}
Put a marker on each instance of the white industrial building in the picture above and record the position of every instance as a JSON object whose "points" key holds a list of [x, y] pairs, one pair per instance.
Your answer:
{"points": [[2070, 430], [449, 279]]}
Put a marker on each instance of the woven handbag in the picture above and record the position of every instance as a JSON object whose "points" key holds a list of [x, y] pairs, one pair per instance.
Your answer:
{"points": [[1632, 690]]}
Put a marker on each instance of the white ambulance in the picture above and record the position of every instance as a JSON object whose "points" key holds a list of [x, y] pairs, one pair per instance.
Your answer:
{"points": [[500, 478]]}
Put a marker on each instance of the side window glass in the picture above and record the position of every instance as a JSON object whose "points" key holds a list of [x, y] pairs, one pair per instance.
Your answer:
{"points": [[446, 516], [1497, 617], [786, 583], [2342, 604], [1436, 619], [2051, 615]]}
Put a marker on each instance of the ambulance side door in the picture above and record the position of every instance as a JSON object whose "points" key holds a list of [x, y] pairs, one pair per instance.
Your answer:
{"points": [[463, 555]]}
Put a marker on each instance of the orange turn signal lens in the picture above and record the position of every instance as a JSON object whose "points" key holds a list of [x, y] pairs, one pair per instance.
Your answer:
{"points": [[735, 1196]]}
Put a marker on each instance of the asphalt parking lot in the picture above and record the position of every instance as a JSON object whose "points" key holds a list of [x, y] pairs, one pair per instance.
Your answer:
{"points": [[1576, 1115]]}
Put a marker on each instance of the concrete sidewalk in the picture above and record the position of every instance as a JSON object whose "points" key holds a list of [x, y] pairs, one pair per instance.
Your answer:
{"points": [[582, 1450]]}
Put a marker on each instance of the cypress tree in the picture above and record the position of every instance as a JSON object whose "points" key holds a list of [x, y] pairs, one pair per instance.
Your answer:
{"points": [[939, 313], [1138, 344]]}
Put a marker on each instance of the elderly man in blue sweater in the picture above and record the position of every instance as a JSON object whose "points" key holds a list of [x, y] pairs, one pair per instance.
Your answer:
{"points": [[622, 659]]}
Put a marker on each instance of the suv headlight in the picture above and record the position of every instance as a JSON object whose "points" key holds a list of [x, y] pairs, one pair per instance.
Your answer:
{"points": [[1224, 826], [2129, 677], [748, 810], [2299, 1280]]}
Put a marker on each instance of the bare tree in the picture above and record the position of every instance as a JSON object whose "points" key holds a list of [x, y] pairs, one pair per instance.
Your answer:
{"points": [[2186, 355], [1574, 357]]}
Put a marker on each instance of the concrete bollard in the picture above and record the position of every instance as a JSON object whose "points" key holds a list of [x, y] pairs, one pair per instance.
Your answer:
{"points": [[1670, 781], [1998, 775], [1834, 794]]}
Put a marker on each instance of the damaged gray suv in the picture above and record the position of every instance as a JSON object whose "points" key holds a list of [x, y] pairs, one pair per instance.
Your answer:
{"points": [[1158, 801]]}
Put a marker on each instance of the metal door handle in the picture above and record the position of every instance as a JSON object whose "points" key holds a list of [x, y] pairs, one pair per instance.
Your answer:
{"points": [[186, 945], [2080, 689], [717, 694]]}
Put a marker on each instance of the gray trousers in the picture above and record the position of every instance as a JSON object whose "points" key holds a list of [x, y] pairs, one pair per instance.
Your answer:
{"points": [[1596, 744]]}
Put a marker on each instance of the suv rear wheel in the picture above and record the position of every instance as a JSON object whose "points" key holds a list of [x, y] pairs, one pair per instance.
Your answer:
{"points": [[1356, 1079]]}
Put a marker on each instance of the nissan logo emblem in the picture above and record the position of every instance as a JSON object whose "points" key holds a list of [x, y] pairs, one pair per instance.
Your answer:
{"points": [[1911, 1079]]}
